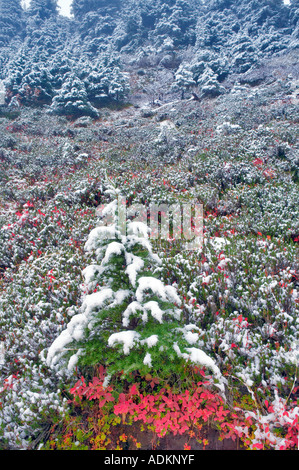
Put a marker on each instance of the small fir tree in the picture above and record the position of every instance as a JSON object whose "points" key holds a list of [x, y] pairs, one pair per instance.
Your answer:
{"points": [[184, 81], [82, 7], [72, 99], [43, 8], [11, 20], [106, 81], [130, 320]]}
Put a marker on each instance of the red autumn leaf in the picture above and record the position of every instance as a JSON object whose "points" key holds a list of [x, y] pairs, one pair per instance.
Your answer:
{"points": [[258, 446], [134, 390], [108, 397]]}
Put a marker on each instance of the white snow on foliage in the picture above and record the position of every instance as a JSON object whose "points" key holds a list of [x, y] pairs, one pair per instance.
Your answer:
{"points": [[155, 310], [199, 357], [219, 242], [132, 309], [167, 293], [126, 338], [57, 348], [76, 326], [73, 361], [148, 360], [139, 229], [134, 265], [131, 338], [136, 307], [113, 249], [190, 336], [150, 341], [96, 300], [97, 235], [90, 272]]}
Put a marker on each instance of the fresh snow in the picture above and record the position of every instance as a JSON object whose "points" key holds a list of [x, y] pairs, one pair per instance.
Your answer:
{"points": [[199, 357], [96, 300], [134, 265], [113, 249], [126, 338], [148, 360], [167, 293]]}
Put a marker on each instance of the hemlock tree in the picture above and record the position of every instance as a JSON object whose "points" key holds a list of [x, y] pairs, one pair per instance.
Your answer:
{"points": [[72, 99], [209, 85], [81, 7], [36, 87], [11, 20], [43, 8], [119, 84], [184, 80], [106, 81], [129, 320]]}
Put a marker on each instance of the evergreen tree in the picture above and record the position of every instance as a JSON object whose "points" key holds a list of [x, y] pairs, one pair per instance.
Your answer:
{"points": [[37, 87], [72, 99], [107, 81], [209, 85], [59, 66], [81, 7], [130, 320], [43, 8], [11, 20], [184, 80]]}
